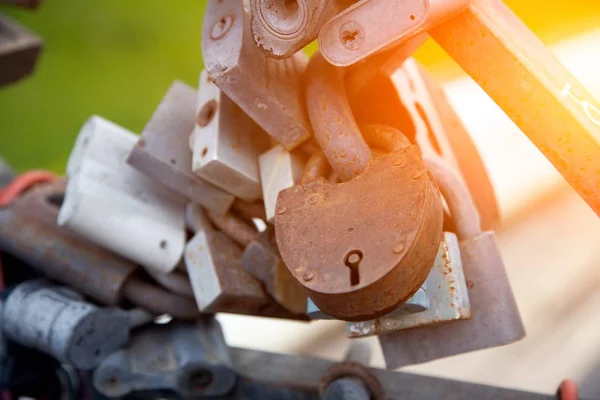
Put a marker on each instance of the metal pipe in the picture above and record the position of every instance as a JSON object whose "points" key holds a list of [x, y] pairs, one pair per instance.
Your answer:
{"points": [[334, 125]]}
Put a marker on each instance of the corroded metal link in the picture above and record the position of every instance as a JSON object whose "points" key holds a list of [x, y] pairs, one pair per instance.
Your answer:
{"points": [[335, 128]]}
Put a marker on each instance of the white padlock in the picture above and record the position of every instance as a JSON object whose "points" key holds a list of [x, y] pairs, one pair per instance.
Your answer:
{"points": [[279, 170], [117, 207], [226, 143]]}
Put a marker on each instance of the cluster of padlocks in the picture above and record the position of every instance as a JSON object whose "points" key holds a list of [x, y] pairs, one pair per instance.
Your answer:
{"points": [[342, 186]]}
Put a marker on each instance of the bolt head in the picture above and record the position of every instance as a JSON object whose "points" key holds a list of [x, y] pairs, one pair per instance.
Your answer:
{"points": [[352, 35], [281, 210]]}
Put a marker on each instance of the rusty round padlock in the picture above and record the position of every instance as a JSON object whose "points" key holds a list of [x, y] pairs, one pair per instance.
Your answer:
{"points": [[364, 246]]}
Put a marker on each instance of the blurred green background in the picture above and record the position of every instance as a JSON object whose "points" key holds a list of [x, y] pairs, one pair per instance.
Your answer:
{"points": [[117, 58]]}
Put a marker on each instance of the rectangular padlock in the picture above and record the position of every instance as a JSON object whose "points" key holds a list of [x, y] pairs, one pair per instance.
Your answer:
{"points": [[19, 51], [226, 143], [447, 295], [219, 282], [163, 151], [28, 230], [56, 320], [279, 170], [117, 207], [495, 319], [191, 359], [264, 264], [269, 90]]}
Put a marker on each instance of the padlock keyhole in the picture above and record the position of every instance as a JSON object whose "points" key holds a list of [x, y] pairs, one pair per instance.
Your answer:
{"points": [[352, 260]]}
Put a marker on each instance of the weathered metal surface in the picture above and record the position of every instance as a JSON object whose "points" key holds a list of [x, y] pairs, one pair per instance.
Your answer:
{"points": [[534, 89], [117, 207], [56, 320], [368, 245], [162, 153], [29, 231], [19, 51], [446, 291], [189, 358], [334, 126], [416, 105], [226, 143], [316, 167], [282, 28], [265, 265], [495, 317], [270, 91], [238, 230], [304, 372], [279, 170], [176, 282], [462, 209], [419, 302], [254, 209], [373, 25], [220, 283], [159, 301]]}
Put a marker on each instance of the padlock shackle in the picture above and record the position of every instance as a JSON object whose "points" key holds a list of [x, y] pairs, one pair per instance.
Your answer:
{"points": [[458, 198], [332, 120], [461, 205], [316, 167]]}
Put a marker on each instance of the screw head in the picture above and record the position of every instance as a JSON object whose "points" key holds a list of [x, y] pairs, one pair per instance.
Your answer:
{"points": [[352, 35], [308, 276], [221, 27]]}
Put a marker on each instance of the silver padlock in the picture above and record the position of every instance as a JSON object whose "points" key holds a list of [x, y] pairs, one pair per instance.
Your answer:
{"points": [[190, 358], [279, 170], [115, 206], [270, 91], [495, 318], [162, 153], [57, 321], [447, 297], [226, 143]]}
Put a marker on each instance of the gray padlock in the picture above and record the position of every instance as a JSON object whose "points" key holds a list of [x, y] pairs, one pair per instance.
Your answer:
{"points": [[495, 318], [189, 358], [56, 320], [162, 153]]}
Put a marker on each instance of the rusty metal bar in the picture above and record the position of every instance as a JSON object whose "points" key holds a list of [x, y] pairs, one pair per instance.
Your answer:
{"points": [[534, 89]]}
